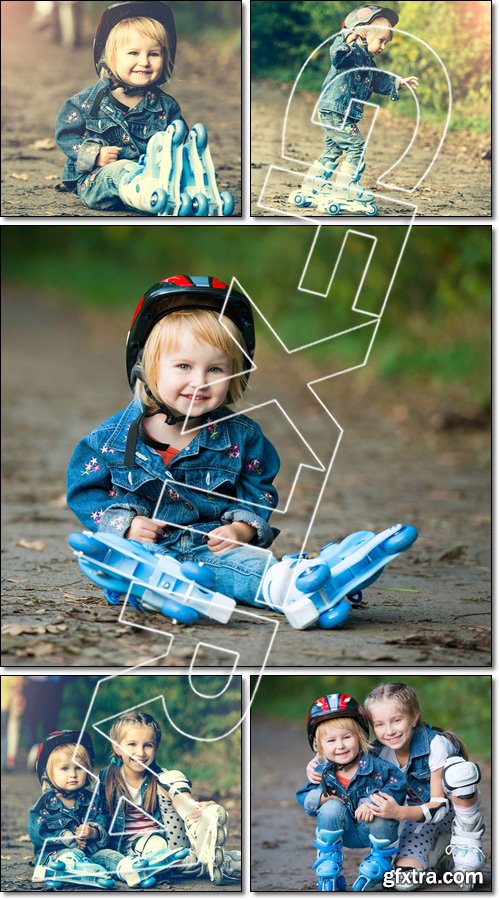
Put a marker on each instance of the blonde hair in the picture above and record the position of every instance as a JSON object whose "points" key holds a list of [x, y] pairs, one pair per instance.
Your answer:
{"points": [[81, 756], [408, 703], [350, 725], [146, 27], [114, 784], [206, 327], [376, 26]]}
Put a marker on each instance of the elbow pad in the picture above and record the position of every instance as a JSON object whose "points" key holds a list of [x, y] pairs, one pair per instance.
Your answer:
{"points": [[175, 781]]}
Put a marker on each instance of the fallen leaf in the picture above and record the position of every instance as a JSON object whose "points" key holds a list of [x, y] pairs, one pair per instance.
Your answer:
{"points": [[43, 648], [60, 501], [54, 629], [31, 545], [5, 857], [21, 176], [17, 580], [24, 839], [51, 178], [43, 144]]}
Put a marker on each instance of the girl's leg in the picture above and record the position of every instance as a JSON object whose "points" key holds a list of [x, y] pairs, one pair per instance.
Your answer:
{"points": [[333, 148], [100, 188], [238, 572], [381, 836], [329, 843]]}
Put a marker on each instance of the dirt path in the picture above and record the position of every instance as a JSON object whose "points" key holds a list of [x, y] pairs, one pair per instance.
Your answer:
{"points": [[19, 792], [459, 184], [281, 847], [30, 105], [432, 606]]}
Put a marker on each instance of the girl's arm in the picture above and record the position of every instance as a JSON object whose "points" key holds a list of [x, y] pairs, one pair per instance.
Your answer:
{"points": [[90, 492], [387, 807], [388, 85], [255, 490], [176, 786], [71, 137]]}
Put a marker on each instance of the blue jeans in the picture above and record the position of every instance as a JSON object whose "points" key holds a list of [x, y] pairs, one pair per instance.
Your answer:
{"points": [[349, 141], [335, 816], [99, 189], [108, 859], [238, 572]]}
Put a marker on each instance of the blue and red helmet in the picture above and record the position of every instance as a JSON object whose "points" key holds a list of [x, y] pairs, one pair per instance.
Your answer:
{"points": [[185, 292], [144, 9], [334, 706], [364, 15]]}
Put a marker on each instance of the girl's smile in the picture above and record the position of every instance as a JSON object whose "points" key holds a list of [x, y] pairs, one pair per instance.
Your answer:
{"points": [[139, 61], [137, 750], [393, 727], [339, 745]]}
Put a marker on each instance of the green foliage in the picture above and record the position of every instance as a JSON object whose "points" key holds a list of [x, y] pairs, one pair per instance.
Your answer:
{"points": [[286, 32], [209, 762], [436, 325], [461, 704]]}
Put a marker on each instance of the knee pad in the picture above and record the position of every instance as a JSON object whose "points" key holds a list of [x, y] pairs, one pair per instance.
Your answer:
{"points": [[149, 843], [460, 777]]}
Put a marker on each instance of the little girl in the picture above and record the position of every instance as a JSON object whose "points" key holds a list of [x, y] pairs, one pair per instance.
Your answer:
{"points": [[156, 826], [442, 792], [351, 775], [67, 825], [105, 129], [177, 468]]}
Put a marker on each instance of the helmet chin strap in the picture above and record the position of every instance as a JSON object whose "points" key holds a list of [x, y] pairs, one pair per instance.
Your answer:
{"points": [[128, 89]]}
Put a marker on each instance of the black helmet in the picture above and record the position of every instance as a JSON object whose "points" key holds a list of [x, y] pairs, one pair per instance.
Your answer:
{"points": [[169, 295], [57, 739], [144, 9], [364, 15], [334, 706]]}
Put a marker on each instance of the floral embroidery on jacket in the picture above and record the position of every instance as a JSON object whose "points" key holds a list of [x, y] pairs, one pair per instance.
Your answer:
{"points": [[73, 117], [255, 465], [267, 497], [97, 515], [234, 451], [91, 466]]}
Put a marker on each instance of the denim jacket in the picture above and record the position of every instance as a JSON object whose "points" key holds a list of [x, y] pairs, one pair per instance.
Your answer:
{"points": [[373, 774], [89, 120], [50, 821], [225, 474], [418, 772], [164, 813], [352, 75]]}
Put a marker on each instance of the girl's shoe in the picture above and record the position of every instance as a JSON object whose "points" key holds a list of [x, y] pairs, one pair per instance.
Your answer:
{"points": [[207, 837], [466, 845], [376, 864], [151, 859], [72, 867], [328, 865]]}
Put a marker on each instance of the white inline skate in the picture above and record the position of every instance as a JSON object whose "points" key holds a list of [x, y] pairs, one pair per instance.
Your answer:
{"points": [[150, 861], [199, 179], [333, 194]]}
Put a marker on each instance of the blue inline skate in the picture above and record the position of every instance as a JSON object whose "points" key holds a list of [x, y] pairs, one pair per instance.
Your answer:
{"points": [[150, 861], [199, 179], [375, 865], [72, 867], [325, 589], [328, 865], [156, 581]]}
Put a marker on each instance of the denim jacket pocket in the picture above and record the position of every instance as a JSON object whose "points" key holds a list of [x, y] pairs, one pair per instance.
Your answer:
{"points": [[142, 131], [136, 481], [104, 131]]}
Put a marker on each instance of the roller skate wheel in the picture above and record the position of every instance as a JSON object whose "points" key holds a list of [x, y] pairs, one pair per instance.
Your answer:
{"points": [[56, 885], [186, 206], [178, 612], [299, 199], [371, 210], [158, 200], [335, 617], [221, 834], [179, 132], [403, 539], [200, 133], [217, 876], [314, 579], [227, 203], [202, 575], [218, 856], [200, 205], [105, 882], [333, 209], [148, 883]]}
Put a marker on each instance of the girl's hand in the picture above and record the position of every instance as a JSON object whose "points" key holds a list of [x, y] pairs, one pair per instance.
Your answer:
{"points": [[385, 806], [410, 82], [196, 813], [364, 813], [144, 529], [221, 539], [85, 833], [312, 775], [107, 155]]}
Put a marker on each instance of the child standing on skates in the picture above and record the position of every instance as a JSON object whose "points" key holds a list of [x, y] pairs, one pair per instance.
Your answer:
{"points": [[442, 784], [123, 137], [178, 470], [186, 839], [352, 79], [67, 825], [351, 775]]}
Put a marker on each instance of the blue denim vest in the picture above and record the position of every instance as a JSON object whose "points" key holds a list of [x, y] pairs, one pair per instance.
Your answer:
{"points": [[89, 120], [418, 772], [225, 474], [353, 76], [373, 774], [49, 818]]}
